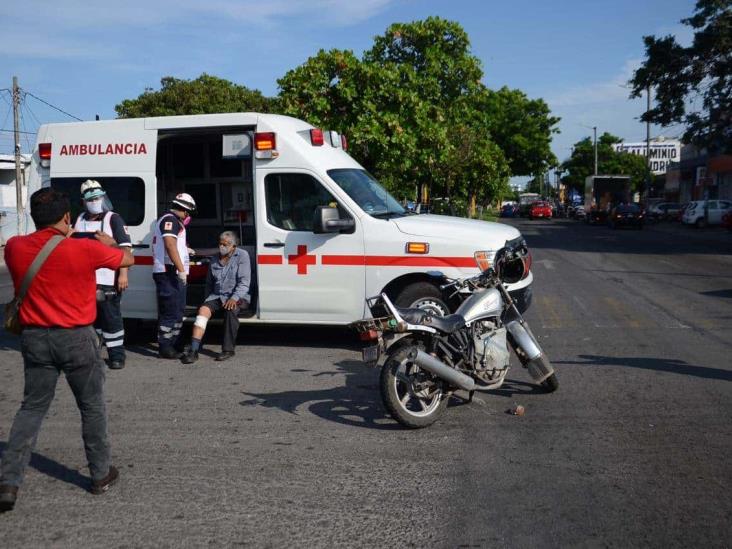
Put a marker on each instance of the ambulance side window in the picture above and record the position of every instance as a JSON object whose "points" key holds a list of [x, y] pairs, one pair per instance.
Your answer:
{"points": [[127, 195], [291, 199]]}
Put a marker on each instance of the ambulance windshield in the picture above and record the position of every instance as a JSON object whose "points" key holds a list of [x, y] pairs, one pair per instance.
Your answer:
{"points": [[367, 192]]}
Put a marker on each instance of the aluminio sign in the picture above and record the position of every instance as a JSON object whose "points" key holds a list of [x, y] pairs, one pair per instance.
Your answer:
{"points": [[661, 153]]}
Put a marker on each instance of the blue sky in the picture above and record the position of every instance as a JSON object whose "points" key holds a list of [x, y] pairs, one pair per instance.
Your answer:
{"points": [[85, 57]]}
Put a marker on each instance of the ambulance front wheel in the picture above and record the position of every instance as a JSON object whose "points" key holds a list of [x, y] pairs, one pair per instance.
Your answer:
{"points": [[423, 295]]}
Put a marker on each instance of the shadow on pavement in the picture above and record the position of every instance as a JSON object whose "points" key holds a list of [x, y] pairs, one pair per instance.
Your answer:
{"points": [[659, 364], [54, 469], [143, 342], [718, 293], [512, 387], [357, 403]]}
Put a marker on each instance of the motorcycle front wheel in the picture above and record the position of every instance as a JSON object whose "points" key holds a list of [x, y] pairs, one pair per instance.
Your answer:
{"points": [[412, 396]]}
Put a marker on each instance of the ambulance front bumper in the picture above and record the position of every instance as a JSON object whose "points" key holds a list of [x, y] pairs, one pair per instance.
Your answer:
{"points": [[522, 297]]}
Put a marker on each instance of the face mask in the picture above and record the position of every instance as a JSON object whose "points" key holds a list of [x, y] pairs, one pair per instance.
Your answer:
{"points": [[224, 251], [187, 220], [94, 207]]}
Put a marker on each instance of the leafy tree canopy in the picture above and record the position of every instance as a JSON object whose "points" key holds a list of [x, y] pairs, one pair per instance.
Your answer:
{"points": [[581, 163], [206, 94], [693, 85], [417, 114]]}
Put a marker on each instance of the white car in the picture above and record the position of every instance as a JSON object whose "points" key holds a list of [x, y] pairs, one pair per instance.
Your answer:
{"points": [[706, 212]]}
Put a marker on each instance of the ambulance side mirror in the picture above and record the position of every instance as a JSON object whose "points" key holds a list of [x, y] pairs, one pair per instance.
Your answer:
{"points": [[328, 220]]}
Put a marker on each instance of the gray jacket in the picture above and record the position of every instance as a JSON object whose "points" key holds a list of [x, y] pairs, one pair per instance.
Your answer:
{"points": [[230, 281]]}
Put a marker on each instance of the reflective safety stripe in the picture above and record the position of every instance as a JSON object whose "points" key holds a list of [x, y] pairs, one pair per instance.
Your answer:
{"points": [[111, 344], [165, 328], [114, 335], [169, 335]]}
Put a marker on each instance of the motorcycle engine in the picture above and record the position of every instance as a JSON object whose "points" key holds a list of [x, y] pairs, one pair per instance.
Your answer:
{"points": [[492, 353]]}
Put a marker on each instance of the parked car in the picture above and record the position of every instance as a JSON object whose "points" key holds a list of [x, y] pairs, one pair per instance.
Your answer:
{"points": [[626, 215], [663, 211], [681, 211], [706, 212], [509, 210], [579, 212], [540, 209]]}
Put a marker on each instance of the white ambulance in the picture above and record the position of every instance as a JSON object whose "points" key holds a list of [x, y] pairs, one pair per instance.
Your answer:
{"points": [[321, 232]]}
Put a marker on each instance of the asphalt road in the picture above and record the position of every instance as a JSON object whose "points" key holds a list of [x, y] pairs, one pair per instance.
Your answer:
{"points": [[288, 444]]}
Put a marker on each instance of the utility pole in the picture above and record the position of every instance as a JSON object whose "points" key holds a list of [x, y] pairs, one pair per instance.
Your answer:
{"points": [[18, 163], [594, 130], [648, 142]]}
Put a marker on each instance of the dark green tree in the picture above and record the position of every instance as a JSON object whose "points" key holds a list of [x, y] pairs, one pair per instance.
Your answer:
{"points": [[581, 163], [523, 128], [693, 85], [206, 94], [416, 113]]}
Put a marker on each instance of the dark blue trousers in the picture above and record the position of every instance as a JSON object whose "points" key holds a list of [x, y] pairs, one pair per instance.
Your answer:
{"points": [[171, 307]]}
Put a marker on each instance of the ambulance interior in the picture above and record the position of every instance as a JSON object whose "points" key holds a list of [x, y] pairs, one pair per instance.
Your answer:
{"points": [[215, 167]]}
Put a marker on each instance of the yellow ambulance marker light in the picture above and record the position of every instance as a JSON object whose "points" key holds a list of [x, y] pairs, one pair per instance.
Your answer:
{"points": [[418, 248]]}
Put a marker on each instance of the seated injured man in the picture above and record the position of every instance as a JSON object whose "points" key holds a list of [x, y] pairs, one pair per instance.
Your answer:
{"points": [[227, 290]]}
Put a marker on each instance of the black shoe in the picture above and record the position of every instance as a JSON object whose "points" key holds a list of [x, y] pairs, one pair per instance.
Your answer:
{"points": [[226, 355], [103, 485], [169, 353], [8, 495], [116, 364], [190, 357]]}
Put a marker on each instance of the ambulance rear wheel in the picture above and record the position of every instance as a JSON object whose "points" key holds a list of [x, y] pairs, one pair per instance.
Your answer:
{"points": [[423, 295]]}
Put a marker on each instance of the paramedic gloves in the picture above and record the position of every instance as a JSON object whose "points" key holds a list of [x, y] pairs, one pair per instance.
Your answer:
{"points": [[183, 277]]}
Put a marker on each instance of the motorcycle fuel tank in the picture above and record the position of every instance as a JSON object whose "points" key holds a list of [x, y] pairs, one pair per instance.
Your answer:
{"points": [[482, 304]]}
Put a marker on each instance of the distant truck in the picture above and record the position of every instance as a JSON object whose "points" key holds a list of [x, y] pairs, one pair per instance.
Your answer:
{"points": [[602, 193], [525, 202]]}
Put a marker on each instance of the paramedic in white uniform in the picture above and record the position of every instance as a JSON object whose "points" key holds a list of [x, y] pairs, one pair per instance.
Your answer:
{"points": [[98, 216], [170, 272]]}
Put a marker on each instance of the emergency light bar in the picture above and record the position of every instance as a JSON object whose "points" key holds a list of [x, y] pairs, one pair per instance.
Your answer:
{"points": [[44, 153], [316, 137], [265, 144]]}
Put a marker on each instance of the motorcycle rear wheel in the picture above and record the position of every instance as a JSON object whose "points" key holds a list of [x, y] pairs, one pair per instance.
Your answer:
{"points": [[413, 397]]}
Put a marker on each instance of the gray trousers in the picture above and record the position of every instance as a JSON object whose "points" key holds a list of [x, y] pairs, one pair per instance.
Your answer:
{"points": [[46, 353]]}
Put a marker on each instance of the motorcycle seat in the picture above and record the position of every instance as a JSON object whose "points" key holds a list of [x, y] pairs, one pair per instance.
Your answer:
{"points": [[446, 324], [413, 316]]}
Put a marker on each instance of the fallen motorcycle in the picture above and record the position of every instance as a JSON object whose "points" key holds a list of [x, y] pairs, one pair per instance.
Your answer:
{"points": [[430, 357]]}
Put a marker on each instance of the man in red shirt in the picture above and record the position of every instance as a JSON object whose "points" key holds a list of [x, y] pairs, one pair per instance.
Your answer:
{"points": [[57, 315]]}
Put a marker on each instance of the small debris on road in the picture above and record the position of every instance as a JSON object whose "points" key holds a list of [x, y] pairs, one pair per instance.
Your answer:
{"points": [[516, 410]]}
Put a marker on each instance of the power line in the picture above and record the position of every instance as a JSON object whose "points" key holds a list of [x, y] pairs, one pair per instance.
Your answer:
{"points": [[53, 106], [25, 132], [27, 106], [12, 131]]}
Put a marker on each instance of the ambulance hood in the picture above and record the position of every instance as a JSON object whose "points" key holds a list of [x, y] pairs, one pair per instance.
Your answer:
{"points": [[479, 233]]}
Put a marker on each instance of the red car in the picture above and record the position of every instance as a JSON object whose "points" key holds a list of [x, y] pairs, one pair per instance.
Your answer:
{"points": [[540, 209]]}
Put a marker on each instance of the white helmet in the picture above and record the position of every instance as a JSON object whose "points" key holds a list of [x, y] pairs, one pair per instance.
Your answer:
{"points": [[185, 201], [91, 189]]}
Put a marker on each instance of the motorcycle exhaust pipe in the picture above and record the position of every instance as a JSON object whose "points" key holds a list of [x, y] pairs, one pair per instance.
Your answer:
{"points": [[441, 370]]}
